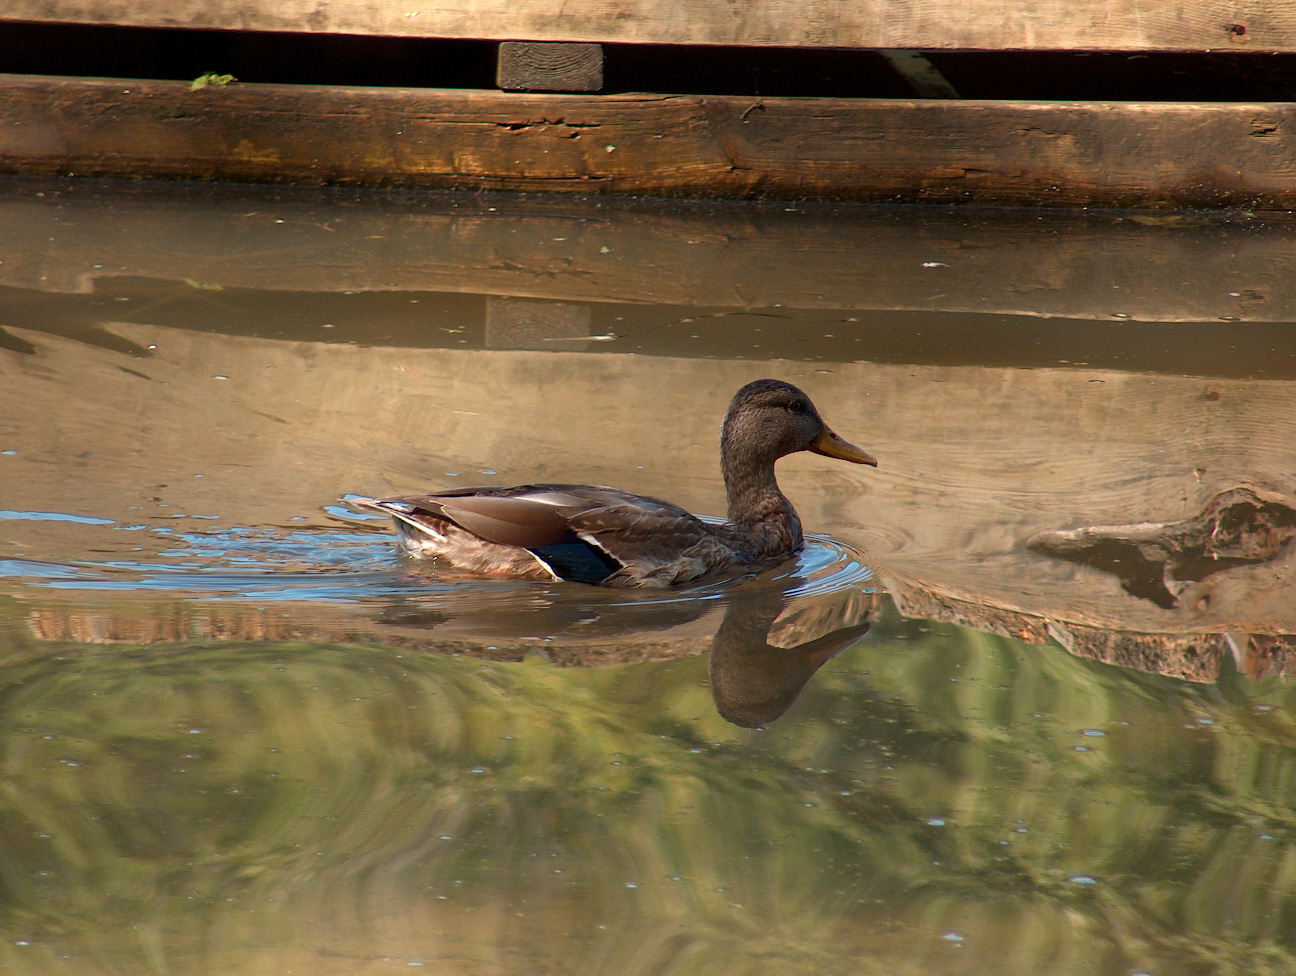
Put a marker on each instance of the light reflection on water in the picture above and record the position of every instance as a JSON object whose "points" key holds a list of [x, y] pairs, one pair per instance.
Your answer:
{"points": [[239, 733], [348, 765], [338, 806], [245, 563], [55, 517]]}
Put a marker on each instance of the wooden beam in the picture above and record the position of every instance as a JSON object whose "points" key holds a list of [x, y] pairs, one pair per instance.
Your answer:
{"points": [[1093, 25], [982, 152]]}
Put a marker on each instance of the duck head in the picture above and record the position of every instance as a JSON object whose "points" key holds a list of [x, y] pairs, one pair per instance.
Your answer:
{"points": [[769, 419]]}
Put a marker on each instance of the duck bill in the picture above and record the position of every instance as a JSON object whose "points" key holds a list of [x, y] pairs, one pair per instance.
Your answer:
{"points": [[830, 445]]}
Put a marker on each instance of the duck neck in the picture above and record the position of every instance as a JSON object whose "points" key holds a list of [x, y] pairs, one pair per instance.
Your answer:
{"points": [[757, 509]]}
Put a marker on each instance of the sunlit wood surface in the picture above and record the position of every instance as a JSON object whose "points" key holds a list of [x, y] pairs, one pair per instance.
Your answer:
{"points": [[1109, 154], [1111, 25]]}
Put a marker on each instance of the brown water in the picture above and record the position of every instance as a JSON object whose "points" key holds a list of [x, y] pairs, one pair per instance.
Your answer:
{"points": [[1023, 704]]}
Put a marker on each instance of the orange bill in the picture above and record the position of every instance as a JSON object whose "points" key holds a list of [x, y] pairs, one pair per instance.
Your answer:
{"points": [[830, 445]]}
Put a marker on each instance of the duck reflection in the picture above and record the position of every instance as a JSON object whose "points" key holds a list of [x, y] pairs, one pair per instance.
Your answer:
{"points": [[766, 636], [769, 645]]}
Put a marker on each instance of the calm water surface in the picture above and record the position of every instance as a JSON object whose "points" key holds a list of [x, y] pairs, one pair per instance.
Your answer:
{"points": [[240, 734]]}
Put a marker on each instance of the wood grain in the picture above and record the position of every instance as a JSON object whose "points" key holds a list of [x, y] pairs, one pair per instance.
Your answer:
{"points": [[548, 66], [1095, 25], [1015, 153]]}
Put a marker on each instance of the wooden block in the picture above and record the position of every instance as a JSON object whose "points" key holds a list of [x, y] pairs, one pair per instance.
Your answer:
{"points": [[542, 66], [924, 77]]}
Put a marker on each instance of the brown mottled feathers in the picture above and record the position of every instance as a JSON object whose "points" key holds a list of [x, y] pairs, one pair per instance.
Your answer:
{"points": [[592, 534], [611, 537]]}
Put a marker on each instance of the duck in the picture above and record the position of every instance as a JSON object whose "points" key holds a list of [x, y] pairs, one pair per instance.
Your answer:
{"points": [[608, 537]]}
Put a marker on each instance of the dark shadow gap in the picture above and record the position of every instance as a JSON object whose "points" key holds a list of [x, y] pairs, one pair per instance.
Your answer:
{"points": [[333, 59]]}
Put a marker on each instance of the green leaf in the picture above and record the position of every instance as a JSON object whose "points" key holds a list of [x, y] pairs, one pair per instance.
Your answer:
{"points": [[210, 78]]}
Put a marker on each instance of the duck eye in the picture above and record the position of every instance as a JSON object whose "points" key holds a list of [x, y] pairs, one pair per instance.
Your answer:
{"points": [[797, 406]]}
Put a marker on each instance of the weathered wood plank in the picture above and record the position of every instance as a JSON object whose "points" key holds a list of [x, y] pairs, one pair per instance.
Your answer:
{"points": [[1066, 264], [1111, 25], [1016, 153]]}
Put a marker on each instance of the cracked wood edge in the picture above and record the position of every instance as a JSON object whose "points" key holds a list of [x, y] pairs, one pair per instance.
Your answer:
{"points": [[1197, 656], [983, 152]]}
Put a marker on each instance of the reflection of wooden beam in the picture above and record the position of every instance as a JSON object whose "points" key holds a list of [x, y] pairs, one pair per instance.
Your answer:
{"points": [[1111, 25], [471, 631], [1134, 267], [927, 151], [1166, 561], [974, 461], [62, 617], [1191, 657]]}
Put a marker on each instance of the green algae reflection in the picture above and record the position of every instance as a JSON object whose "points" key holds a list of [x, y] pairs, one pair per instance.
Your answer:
{"points": [[937, 801]]}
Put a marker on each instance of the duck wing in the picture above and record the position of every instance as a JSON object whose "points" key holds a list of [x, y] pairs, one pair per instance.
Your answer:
{"points": [[585, 533], [654, 544], [526, 516]]}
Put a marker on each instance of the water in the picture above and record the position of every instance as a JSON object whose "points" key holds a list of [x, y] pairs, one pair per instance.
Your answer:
{"points": [[1022, 705]]}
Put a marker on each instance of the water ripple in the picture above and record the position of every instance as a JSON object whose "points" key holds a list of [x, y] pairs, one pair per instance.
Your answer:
{"points": [[353, 563]]}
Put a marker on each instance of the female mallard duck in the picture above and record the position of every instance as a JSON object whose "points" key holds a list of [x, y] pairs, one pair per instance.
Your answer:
{"points": [[608, 537]]}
